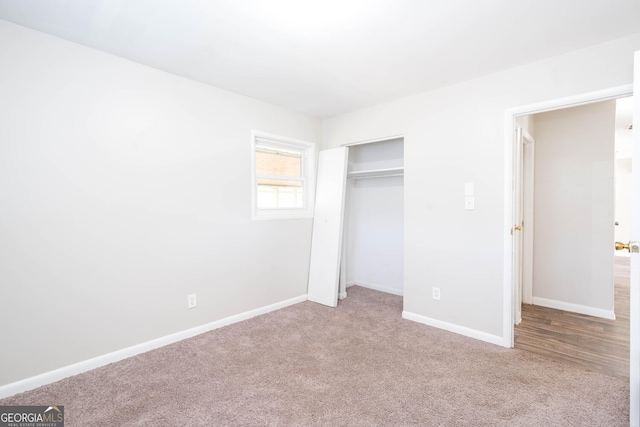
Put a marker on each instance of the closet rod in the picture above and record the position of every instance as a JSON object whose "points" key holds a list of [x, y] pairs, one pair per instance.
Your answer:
{"points": [[376, 176]]}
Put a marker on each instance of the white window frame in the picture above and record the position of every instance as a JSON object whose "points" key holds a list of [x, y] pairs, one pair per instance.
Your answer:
{"points": [[308, 152]]}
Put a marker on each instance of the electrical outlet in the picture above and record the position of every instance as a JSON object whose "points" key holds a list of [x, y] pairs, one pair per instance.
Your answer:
{"points": [[435, 294], [192, 302]]}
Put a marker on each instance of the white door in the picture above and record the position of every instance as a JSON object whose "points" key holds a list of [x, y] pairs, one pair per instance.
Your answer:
{"points": [[326, 240], [635, 256], [342, 294], [528, 154], [517, 227], [523, 165]]}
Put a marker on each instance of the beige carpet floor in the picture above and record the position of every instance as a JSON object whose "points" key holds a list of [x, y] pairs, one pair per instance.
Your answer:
{"points": [[360, 364]]}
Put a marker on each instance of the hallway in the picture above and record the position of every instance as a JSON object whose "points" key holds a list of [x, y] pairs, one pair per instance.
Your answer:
{"points": [[597, 344]]}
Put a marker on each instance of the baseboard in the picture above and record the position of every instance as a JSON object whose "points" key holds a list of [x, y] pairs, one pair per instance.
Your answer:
{"points": [[105, 359], [574, 308], [376, 287], [467, 332]]}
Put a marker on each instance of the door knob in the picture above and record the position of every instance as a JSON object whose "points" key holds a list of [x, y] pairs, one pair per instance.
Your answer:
{"points": [[633, 247], [620, 246], [517, 227]]}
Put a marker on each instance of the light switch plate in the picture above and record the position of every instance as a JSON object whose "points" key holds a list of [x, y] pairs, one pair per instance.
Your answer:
{"points": [[469, 202], [468, 188]]}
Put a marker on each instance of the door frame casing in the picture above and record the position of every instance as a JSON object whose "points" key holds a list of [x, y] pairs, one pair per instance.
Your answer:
{"points": [[509, 137]]}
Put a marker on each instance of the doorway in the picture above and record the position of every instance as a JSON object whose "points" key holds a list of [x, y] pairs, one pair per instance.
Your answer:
{"points": [[556, 173], [510, 129], [576, 313]]}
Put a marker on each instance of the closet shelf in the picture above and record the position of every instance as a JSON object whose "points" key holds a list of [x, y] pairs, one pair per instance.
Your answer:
{"points": [[376, 173]]}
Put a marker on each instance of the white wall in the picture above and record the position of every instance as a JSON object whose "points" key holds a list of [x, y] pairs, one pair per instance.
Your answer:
{"points": [[122, 190], [574, 207], [623, 203], [455, 135]]}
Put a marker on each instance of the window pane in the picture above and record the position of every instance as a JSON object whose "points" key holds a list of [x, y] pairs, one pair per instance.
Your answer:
{"points": [[267, 197], [287, 197], [270, 161], [279, 196]]}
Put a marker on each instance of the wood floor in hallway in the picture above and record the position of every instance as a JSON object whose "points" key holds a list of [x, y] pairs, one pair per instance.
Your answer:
{"points": [[594, 343]]}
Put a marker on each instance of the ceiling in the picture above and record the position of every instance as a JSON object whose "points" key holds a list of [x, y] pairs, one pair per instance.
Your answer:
{"points": [[328, 57]]}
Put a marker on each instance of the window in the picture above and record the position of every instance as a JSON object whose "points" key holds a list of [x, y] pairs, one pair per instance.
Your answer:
{"points": [[282, 177]]}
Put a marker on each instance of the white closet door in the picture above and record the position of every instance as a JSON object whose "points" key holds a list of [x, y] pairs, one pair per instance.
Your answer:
{"points": [[326, 241]]}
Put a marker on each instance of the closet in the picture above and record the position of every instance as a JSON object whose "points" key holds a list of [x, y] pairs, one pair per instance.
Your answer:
{"points": [[358, 229], [373, 235]]}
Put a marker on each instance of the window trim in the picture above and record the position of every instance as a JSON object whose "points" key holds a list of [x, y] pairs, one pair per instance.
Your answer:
{"points": [[308, 152]]}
